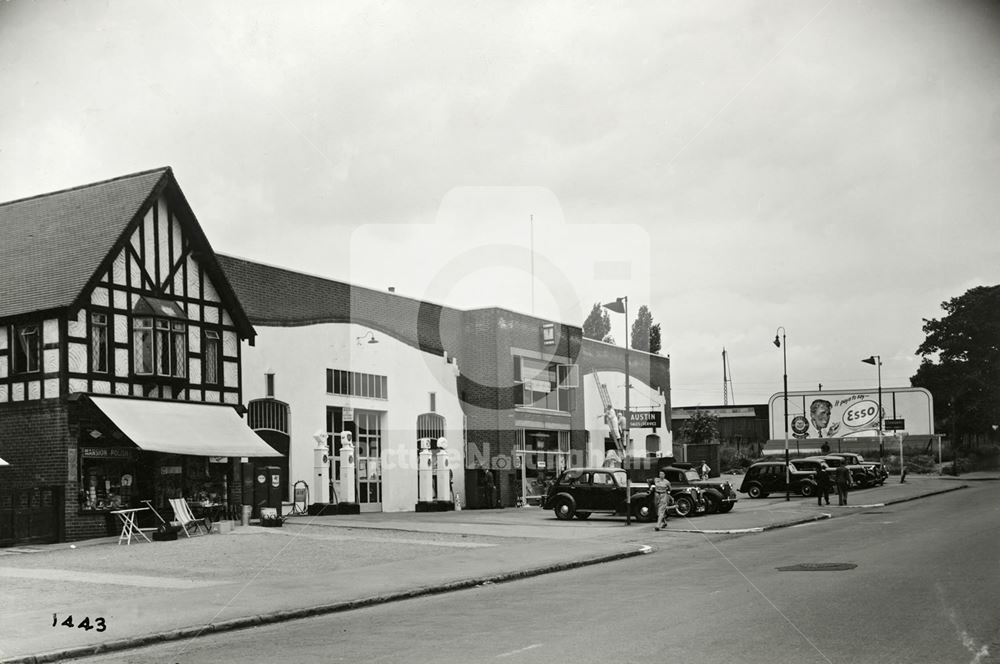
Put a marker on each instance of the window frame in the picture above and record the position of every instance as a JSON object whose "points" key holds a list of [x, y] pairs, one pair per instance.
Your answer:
{"points": [[211, 339], [25, 359], [163, 344], [100, 341]]}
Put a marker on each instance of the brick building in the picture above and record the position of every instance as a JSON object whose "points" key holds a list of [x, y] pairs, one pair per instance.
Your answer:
{"points": [[120, 353], [508, 391]]}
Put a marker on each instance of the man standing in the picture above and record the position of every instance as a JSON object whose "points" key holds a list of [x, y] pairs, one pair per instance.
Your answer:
{"points": [[661, 490], [843, 483], [823, 485]]}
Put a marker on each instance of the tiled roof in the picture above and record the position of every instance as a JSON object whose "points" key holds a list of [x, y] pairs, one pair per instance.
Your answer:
{"points": [[51, 245]]}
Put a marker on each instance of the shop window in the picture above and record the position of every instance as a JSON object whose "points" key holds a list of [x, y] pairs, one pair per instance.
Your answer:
{"points": [[27, 351], [107, 479], [99, 343], [211, 357], [355, 384]]}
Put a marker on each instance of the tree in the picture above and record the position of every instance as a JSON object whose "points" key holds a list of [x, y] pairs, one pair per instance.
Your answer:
{"points": [[598, 324], [701, 427], [654, 338], [642, 330], [960, 363]]}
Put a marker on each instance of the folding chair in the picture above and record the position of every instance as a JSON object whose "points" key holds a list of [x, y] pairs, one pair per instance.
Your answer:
{"points": [[182, 513]]}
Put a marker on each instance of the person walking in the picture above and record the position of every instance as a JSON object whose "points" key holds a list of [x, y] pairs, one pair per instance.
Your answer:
{"points": [[843, 477], [661, 490], [489, 489], [822, 485], [704, 470]]}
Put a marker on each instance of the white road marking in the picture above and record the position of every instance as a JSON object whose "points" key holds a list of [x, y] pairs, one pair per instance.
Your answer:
{"points": [[520, 650]]}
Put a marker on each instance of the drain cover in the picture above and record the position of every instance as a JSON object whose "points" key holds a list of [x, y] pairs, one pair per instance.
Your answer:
{"points": [[817, 567]]}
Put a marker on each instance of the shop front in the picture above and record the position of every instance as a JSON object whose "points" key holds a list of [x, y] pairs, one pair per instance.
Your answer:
{"points": [[539, 457], [131, 451]]}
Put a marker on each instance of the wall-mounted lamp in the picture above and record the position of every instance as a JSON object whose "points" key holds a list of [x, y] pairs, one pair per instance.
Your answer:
{"points": [[370, 334]]}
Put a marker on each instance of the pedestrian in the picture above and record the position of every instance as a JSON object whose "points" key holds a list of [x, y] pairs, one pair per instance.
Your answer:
{"points": [[843, 477], [661, 491], [704, 470], [822, 485], [489, 489]]}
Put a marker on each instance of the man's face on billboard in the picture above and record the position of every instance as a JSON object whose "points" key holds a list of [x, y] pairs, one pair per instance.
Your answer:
{"points": [[820, 411]]}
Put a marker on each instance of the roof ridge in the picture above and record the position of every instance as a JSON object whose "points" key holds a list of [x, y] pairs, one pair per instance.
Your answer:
{"points": [[164, 169]]}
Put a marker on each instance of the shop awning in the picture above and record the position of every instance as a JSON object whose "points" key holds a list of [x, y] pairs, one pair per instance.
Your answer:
{"points": [[3, 463], [178, 427]]}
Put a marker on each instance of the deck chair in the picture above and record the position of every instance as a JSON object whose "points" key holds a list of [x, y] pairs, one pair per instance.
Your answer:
{"points": [[182, 513]]}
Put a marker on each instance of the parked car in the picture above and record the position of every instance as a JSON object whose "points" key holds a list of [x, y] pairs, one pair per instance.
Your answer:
{"points": [[719, 495], [580, 492], [876, 470], [861, 476], [767, 477]]}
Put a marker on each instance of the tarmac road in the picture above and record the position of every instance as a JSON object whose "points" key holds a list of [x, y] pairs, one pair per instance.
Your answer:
{"points": [[909, 594], [173, 590]]}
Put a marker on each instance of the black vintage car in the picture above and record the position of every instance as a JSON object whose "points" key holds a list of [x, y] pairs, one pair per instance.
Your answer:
{"points": [[766, 477], [719, 495], [580, 492]]}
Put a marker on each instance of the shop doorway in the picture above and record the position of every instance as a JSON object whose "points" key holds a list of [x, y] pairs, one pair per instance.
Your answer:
{"points": [[369, 459], [539, 458]]}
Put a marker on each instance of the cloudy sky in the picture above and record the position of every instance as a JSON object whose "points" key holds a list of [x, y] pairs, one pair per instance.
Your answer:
{"points": [[830, 167]]}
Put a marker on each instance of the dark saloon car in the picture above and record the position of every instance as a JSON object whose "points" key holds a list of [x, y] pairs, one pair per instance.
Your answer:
{"points": [[580, 492], [861, 476], [766, 477], [719, 495]]}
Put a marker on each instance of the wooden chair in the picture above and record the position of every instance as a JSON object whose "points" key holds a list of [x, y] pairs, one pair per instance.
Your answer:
{"points": [[183, 515]]}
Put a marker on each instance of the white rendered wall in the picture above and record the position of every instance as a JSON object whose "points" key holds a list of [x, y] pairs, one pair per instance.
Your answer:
{"points": [[299, 358], [642, 397]]}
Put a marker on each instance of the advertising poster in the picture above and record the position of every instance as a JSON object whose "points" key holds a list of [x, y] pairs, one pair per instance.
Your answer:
{"points": [[851, 413]]}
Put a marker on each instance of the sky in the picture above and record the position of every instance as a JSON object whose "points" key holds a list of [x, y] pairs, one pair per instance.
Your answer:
{"points": [[828, 168]]}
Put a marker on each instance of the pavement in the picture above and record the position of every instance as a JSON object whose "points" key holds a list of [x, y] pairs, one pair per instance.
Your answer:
{"points": [[147, 593]]}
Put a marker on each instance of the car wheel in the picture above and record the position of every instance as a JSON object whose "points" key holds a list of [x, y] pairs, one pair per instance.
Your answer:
{"points": [[683, 505], [564, 509], [713, 501], [754, 491], [582, 516], [644, 513], [726, 507], [807, 490]]}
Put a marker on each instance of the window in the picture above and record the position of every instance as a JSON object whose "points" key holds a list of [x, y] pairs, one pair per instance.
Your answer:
{"points": [[99, 343], [433, 407], [27, 352], [159, 338], [160, 347], [352, 383], [211, 357], [269, 385], [548, 334], [544, 385]]}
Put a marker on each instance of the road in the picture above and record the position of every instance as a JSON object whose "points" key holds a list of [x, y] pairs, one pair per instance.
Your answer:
{"points": [[923, 590]]}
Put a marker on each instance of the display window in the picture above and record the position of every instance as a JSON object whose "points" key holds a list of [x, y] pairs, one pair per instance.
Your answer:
{"points": [[107, 478]]}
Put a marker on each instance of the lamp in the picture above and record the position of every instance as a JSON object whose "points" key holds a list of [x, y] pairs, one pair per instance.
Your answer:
{"points": [[620, 306], [780, 343], [876, 360], [369, 333]]}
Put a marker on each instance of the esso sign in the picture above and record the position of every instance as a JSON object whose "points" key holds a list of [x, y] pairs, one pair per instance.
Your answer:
{"points": [[861, 414]]}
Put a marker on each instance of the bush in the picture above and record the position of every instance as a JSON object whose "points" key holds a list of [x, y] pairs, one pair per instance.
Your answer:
{"points": [[915, 463]]}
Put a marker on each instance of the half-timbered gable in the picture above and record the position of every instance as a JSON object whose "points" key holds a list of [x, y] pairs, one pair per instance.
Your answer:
{"points": [[154, 316]]}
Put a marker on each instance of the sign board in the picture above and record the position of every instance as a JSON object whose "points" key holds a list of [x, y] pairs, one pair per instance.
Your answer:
{"points": [[643, 419], [107, 452], [850, 413], [894, 425], [348, 414]]}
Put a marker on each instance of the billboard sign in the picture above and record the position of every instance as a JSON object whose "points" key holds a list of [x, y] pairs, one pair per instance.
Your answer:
{"points": [[850, 413]]}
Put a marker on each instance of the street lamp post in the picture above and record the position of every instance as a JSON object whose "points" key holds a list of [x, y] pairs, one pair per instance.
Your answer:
{"points": [[876, 360], [620, 306], [780, 343]]}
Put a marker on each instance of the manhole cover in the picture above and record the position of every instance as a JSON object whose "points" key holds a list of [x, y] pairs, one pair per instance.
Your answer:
{"points": [[817, 567]]}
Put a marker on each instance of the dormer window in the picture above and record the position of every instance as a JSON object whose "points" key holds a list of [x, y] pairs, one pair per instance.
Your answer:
{"points": [[159, 338]]}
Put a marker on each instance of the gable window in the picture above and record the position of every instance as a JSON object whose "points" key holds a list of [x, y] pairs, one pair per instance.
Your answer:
{"points": [[212, 357], [27, 351], [99, 343], [159, 339]]}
